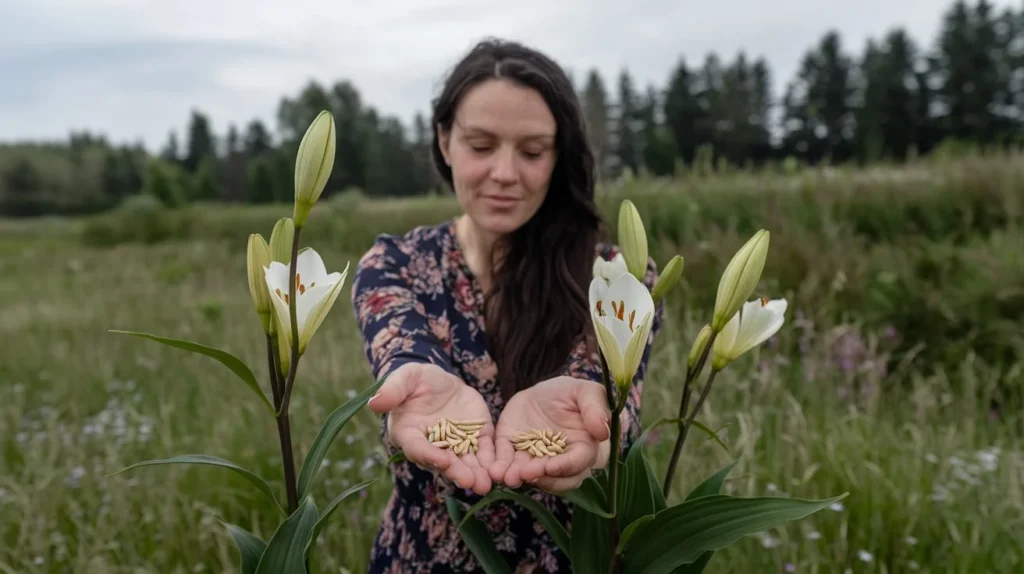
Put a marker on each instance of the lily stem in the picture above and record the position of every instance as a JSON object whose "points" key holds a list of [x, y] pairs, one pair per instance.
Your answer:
{"points": [[283, 424], [683, 427], [284, 431], [613, 470]]}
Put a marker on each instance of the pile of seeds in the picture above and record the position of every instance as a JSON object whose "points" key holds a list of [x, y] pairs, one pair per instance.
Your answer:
{"points": [[460, 436], [540, 442]]}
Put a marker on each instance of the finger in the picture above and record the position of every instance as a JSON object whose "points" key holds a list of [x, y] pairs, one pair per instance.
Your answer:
{"points": [[592, 401], [501, 455], [579, 457], [559, 485], [396, 388], [459, 472], [513, 479], [533, 469], [482, 483]]}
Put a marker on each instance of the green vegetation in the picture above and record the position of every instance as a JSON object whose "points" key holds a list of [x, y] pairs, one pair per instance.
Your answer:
{"points": [[897, 376]]}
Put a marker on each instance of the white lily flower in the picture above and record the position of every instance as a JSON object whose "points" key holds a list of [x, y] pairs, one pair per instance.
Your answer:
{"points": [[316, 290], [622, 313], [754, 324]]}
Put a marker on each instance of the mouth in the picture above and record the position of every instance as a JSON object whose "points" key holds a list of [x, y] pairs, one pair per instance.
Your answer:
{"points": [[503, 200]]}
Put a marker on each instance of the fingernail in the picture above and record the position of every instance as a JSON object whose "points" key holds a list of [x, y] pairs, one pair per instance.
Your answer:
{"points": [[375, 395], [607, 426]]}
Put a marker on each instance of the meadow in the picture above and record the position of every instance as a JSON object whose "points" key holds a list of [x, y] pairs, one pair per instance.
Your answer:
{"points": [[897, 377]]}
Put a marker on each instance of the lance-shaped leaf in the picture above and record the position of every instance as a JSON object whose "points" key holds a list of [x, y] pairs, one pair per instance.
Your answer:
{"points": [[250, 547], [551, 524], [325, 436], [225, 358], [478, 539], [711, 485], [590, 547], [204, 459], [319, 526], [680, 534], [639, 492], [286, 551], [591, 496]]}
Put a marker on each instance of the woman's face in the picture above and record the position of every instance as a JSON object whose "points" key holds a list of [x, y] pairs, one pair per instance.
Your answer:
{"points": [[501, 150]]}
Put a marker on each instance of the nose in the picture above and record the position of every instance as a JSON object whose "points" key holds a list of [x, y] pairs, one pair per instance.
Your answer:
{"points": [[504, 168]]}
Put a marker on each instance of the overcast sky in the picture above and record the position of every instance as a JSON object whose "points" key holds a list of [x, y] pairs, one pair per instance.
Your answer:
{"points": [[133, 69]]}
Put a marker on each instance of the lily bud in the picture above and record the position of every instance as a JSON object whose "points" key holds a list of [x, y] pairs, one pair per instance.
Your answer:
{"points": [[313, 164], [740, 278], [633, 239], [281, 241], [668, 279], [258, 256], [698, 347]]}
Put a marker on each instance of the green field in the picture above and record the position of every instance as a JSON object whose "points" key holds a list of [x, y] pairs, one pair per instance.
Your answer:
{"points": [[897, 377]]}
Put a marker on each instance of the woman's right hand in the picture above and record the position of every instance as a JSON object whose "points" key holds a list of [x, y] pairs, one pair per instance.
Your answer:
{"points": [[416, 395]]}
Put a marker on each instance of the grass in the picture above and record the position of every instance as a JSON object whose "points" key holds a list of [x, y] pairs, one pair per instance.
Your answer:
{"points": [[900, 338]]}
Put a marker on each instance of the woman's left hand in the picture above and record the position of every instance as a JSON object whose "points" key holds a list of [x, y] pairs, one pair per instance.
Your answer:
{"points": [[578, 409]]}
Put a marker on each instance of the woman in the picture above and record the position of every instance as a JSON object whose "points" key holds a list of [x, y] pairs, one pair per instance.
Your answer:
{"points": [[486, 317]]}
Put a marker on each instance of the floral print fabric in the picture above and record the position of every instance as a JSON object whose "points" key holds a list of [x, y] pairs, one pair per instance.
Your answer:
{"points": [[416, 300]]}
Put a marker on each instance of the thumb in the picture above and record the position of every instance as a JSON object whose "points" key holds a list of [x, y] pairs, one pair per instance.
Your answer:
{"points": [[593, 404], [396, 388]]}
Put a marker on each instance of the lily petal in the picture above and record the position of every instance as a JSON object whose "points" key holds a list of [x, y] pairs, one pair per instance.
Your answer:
{"points": [[759, 322], [609, 348], [320, 309]]}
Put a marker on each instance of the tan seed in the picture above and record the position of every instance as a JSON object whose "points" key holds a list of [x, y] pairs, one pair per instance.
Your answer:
{"points": [[440, 443]]}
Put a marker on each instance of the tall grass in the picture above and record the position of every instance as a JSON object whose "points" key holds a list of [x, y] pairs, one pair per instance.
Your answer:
{"points": [[897, 376]]}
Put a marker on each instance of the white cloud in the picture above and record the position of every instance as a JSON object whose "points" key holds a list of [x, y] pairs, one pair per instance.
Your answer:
{"points": [[134, 69]]}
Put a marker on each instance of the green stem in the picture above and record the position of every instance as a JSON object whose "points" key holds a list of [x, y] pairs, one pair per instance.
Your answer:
{"points": [[613, 469], [682, 428], [283, 424], [284, 431]]}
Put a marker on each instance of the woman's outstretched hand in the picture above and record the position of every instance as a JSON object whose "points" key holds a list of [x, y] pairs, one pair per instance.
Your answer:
{"points": [[416, 396], [576, 407]]}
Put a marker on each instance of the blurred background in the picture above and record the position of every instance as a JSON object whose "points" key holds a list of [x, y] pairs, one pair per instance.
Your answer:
{"points": [[880, 142]]}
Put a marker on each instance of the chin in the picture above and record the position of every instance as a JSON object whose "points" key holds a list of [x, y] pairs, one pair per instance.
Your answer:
{"points": [[500, 223]]}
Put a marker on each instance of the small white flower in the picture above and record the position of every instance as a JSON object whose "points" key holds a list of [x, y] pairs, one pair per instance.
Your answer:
{"points": [[752, 325], [837, 506], [813, 535], [865, 556], [911, 540], [316, 290]]}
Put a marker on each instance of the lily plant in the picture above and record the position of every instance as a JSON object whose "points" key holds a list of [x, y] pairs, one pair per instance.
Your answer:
{"points": [[624, 518], [292, 293]]}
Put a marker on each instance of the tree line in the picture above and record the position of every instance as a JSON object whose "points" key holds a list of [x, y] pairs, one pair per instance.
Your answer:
{"points": [[895, 99]]}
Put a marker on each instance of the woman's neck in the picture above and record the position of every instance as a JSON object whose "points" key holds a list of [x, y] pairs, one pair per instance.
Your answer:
{"points": [[477, 246]]}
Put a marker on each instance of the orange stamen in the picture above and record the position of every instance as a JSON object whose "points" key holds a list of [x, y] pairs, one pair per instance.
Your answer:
{"points": [[632, 317], [621, 310], [764, 301], [600, 311], [302, 289]]}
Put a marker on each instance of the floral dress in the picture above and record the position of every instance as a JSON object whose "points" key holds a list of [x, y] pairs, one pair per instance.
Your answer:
{"points": [[416, 300]]}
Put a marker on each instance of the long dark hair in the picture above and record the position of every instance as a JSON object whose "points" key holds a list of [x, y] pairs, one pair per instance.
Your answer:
{"points": [[537, 310]]}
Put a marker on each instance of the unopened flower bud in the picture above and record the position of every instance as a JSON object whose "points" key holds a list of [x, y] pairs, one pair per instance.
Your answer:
{"points": [[633, 239], [668, 279], [313, 164], [281, 241], [740, 278], [699, 344], [258, 257]]}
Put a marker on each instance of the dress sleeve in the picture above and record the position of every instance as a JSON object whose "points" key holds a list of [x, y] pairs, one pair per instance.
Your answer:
{"points": [[395, 321]]}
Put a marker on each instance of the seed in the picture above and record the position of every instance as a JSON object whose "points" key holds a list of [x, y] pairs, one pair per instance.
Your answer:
{"points": [[440, 443]]}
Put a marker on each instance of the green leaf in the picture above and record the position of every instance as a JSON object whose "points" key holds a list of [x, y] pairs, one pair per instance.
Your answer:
{"points": [[330, 510], [227, 359], [591, 496], [286, 551], [478, 539], [397, 457], [250, 547], [551, 524], [628, 532], [681, 534], [639, 490], [325, 436], [697, 566], [713, 484], [714, 436], [590, 548], [212, 461]]}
